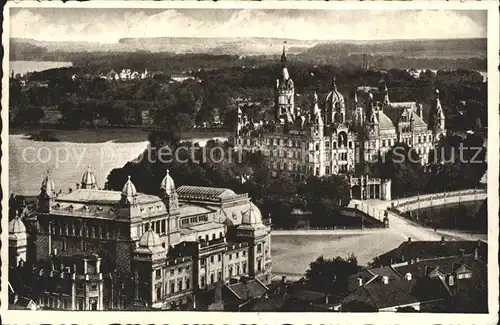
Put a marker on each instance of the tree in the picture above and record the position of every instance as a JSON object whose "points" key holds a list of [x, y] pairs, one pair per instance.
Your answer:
{"points": [[332, 275]]}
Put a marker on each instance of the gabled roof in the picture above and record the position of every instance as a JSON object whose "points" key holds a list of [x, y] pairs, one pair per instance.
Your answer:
{"points": [[251, 289]]}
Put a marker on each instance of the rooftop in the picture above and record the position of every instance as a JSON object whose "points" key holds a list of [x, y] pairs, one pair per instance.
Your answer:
{"points": [[204, 192], [101, 197], [191, 210], [250, 289]]}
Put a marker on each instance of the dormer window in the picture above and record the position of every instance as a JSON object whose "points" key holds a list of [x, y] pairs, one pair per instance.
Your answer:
{"points": [[70, 208]]}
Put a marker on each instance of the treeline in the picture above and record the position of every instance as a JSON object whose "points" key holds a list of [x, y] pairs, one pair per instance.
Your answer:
{"points": [[455, 164], [462, 92]]}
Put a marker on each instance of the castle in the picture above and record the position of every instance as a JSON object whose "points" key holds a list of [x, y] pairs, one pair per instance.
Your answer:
{"points": [[336, 138], [93, 249]]}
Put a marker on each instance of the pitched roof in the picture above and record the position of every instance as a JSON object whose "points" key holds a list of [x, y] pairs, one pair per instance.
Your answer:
{"points": [[431, 249], [397, 292], [251, 289]]}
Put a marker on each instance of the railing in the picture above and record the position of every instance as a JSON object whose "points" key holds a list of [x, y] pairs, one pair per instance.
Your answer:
{"points": [[430, 197]]}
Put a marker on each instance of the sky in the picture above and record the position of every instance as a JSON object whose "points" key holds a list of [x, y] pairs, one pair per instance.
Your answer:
{"points": [[109, 25]]}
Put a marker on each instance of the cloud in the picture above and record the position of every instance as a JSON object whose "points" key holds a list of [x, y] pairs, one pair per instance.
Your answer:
{"points": [[108, 25]]}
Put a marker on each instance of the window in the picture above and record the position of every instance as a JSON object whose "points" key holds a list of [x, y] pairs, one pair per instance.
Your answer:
{"points": [[230, 270], [237, 269], [158, 274], [230, 256], [244, 253], [219, 257], [187, 284], [244, 267], [163, 226], [237, 254], [212, 278], [93, 287], [172, 287], [327, 170], [259, 248], [179, 285], [202, 281], [211, 259], [317, 146], [220, 234], [179, 270], [171, 271], [259, 266], [202, 262], [213, 236], [383, 143]]}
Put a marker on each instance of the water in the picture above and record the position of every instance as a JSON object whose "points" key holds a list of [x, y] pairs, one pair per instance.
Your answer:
{"points": [[103, 150], [29, 161], [24, 67]]}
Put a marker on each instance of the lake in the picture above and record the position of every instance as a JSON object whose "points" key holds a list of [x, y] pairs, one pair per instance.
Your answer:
{"points": [[24, 67], [102, 149]]}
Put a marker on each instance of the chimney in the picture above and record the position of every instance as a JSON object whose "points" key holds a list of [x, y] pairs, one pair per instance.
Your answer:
{"points": [[385, 279], [408, 276], [283, 279], [409, 239], [476, 253], [360, 282], [77, 186], [442, 240], [70, 190], [462, 252]]}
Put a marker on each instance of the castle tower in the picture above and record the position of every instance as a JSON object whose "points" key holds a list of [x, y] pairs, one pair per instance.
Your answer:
{"points": [[257, 235], [89, 180], [386, 101], [285, 91], [239, 123], [171, 201], [359, 116], [148, 259], [438, 119], [47, 194], [129, 192], [317, 125], [18, 242], [335, 106]]}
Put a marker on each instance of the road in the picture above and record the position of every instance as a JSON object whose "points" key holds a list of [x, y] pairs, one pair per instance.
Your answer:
{"points": [[407, 228]]}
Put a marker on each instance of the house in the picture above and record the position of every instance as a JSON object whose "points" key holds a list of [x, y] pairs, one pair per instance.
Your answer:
{"points": [[112, 75], [419, 250], [126, 74], [237, 296], [23, 303], [455, 283]]}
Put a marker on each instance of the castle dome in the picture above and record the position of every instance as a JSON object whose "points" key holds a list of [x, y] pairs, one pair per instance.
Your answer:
{"points": [[334, 96], [129, 189], [252, 216], [88, 179], [150, 239], [167, 184], [48, 186], [17, 229]]}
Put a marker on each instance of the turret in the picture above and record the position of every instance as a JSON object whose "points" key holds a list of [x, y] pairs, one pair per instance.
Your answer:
{"points": [[169, 193], [335, 105], [47, 194], [284, 92], [386, 94], [129, 192], [88, 180]]}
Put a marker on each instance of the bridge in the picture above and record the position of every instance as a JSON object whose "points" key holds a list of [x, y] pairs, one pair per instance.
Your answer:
{"points": [[393, 209]]}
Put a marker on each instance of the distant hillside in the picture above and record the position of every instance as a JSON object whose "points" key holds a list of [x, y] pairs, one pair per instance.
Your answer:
{"points": [[448, 48], [226, 46]]}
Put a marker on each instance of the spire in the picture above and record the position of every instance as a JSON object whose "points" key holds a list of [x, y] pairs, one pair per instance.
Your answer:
{"points": [[334, 83], [355, 97], [283, 56], [386, 94]]}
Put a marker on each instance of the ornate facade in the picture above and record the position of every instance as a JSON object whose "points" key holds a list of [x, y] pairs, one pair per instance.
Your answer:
{"points": [[98, 249], [335, 138]]}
